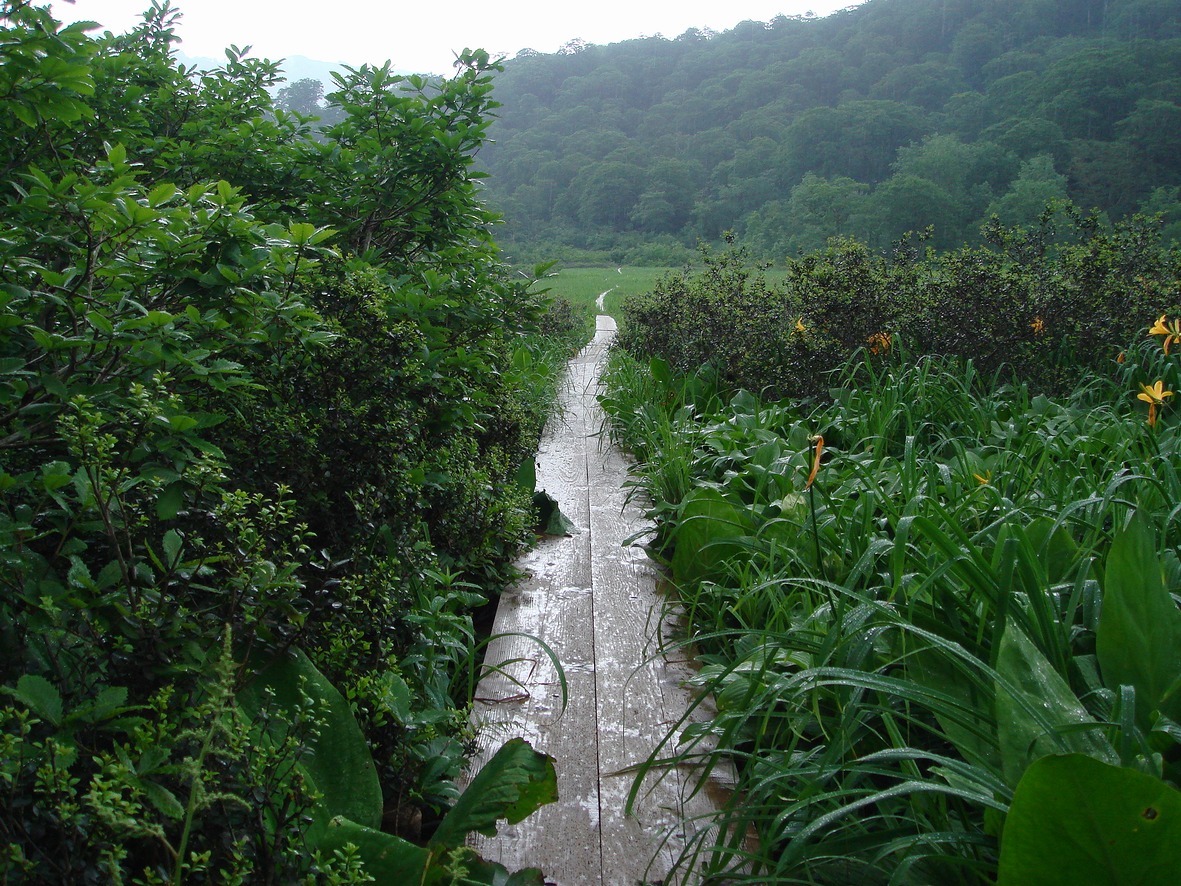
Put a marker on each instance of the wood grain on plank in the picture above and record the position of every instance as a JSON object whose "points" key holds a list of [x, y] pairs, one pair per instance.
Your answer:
{"points": [[594, 601]]}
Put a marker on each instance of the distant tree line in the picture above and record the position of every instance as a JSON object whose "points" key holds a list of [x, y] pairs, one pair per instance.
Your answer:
{"points": [[892, 116]]}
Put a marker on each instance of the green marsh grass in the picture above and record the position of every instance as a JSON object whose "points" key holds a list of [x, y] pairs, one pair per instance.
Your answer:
{"points": [[881, 700], [583, 286]]}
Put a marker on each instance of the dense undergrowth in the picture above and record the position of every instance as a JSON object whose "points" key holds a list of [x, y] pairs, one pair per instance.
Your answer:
{"points": [[1042, 304], [934, 591], [265, 401]]}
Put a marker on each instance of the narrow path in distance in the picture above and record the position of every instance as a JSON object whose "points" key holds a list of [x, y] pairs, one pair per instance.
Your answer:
{"points": [[594, 602]]}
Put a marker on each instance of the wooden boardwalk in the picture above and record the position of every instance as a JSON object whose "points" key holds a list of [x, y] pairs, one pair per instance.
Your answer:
{"points": [[593, 600]]}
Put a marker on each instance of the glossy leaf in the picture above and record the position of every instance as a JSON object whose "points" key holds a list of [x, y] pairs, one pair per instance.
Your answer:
{"points": [[340, 765], [1037, 713], [1139, 636], [1078, 820], [387, 858], [706, 536], [39, 696], [515, 783]]}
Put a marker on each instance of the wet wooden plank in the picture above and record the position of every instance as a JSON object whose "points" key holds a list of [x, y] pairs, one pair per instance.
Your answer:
{"points": [[641, 691], [553, 603], [594, 601]]}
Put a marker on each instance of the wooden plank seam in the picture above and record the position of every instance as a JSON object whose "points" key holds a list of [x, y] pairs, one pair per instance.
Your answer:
{"points": [[594, 601]]}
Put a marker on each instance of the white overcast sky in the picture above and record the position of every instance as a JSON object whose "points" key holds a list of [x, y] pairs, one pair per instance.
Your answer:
{"points": [[425, 36]]}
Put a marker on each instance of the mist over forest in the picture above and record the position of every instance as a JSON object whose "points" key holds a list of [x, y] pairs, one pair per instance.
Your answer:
{"points": [[889, 117]]}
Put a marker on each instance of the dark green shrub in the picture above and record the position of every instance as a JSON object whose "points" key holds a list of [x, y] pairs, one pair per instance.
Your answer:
{"points": [[222, 439], [1040, 306], [726, 317]]}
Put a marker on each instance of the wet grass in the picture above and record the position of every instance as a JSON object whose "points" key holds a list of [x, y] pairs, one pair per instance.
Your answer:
{"points": [[880, 642], [582, 286]]}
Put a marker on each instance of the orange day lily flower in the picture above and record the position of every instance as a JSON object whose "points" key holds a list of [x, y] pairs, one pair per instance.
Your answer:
{"points": [[1170, 331], [815, 461], [1154, 396], [879, 343]]}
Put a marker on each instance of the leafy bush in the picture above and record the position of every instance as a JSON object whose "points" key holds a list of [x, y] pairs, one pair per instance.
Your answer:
{"points": [[1041, 305], [282, 415], [728, 318]]}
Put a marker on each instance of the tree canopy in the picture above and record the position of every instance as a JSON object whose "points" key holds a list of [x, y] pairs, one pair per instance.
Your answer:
{"points": [[928, 107]]}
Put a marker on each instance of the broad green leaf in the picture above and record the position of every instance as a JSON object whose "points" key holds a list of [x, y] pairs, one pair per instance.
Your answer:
{"points": [[159, 318], [1056, 549], [44, 340], [490, 873], [661, 371], [1036, 711], [321, 235], [10, 291], [39, 696], [550, 519], [55, 475], [968, 725], [173, 543], [527, 475], [1076, 820], [388, 859], [169, 503], [109, 702], [163, 799], [117, 155], [182, 423], [1139, 636], [100, 322], [79, 574], [24, 114], [514, 784], [396, 696], [300, 233], [340, 765], [706, 535], [162, 193]]}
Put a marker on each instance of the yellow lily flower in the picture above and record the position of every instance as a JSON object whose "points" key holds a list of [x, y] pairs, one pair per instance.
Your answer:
{"points": [[1154, 396], [984, 480], [1038, 326], [800, 325], [879, 343], [1170, 331]]}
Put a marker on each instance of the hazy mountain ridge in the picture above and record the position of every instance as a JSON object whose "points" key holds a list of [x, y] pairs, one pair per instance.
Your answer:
{"points": [[880, 118]]}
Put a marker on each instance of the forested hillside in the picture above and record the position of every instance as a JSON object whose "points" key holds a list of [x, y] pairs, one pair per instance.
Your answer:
{"points": [[887, 117]]}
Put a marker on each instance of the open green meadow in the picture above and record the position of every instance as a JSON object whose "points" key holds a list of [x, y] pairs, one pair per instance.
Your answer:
{"points": [[583, 286]]}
